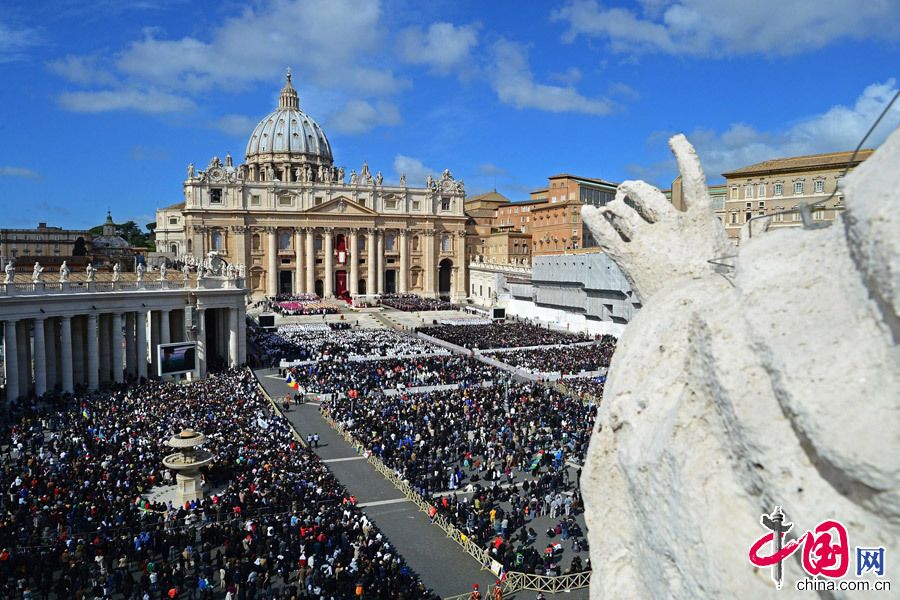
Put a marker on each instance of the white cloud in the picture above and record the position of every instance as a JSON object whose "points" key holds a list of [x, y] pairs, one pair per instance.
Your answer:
{"points": [[727, 27], [141, 152], [151, 101], [491, 170], [416, 172], [443, 46], [358, 116], [83, 70], [19, 172], [329, 42], [514, 84], [839, 128], [237, 125], [15, 42], [570, 76]]}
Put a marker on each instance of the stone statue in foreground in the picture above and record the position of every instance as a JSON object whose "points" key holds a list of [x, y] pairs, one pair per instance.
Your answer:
{"points": [[739, 392]]}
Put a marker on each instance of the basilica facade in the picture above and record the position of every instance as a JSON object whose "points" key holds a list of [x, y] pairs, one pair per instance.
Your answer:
{"points": [[300, 224]]}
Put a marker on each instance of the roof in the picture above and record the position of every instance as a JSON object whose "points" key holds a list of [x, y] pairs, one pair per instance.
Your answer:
{"points": [[586, 179], [800, 163], [173, 206], [522, 202], [492, 196]]}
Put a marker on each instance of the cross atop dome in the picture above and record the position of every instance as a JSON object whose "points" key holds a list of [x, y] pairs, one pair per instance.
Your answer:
{"points": [[288, 98]]}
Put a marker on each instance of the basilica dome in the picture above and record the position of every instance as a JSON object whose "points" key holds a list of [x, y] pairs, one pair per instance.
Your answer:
{"points": [[289, 131]]}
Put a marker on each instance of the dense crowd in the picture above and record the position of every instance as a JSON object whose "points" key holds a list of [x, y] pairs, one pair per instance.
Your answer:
{"points": [[510, 443], [414, 302], [302, 304], [586, 388], [565, 359], [501, 335], [300, 342], [76, 519], [370, 377]]}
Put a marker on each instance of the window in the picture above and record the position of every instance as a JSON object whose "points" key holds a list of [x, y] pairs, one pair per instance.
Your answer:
{"points": [[361, 243], [217, 241], [284, 241], [718, 201], [390, 203], [748, 191], [798, 187], [820, 186], [818, 215], [254, 243], [415, 243], [445, 243], [734, 193], [318, 243], [215, 196], [389, 242], [254, 200], [173, 220], [317, 201], [747, 216], [748, 205], [416, 204], [761, 190], [762, 203], [285, 200], [733, 218], [779, 189], [445, 203], [173, 249]]}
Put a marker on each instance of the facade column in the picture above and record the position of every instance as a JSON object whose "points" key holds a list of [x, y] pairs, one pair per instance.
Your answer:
{"points": [[232, 337], [93, 352], [272, 262], [130, 349], [354, 262], [404, 262], [371, 286], [299, 288], [11, 354], [461, 267], [379, 267], [309, 234], [428, 238], [65, 356], [118, 352], [201, 341], [50, 350], [40, 358], [329, 262], [140, 331]]}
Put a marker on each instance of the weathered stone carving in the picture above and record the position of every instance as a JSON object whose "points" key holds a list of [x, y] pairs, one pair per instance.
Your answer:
{"points": [[37, 273], [772, 383]]}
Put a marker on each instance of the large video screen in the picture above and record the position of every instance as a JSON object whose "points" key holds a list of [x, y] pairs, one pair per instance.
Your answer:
{"points": [[498, 313], [174, 359], [267, 320]]}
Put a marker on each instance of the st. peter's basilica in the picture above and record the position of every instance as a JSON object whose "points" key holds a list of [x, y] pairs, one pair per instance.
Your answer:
{"points": [[303, 225]]}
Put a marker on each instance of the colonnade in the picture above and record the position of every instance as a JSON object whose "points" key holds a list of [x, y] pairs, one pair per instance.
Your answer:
{"points": [[45, 352], [306, 269]]}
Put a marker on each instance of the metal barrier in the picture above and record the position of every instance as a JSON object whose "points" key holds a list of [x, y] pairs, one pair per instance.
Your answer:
{"points": [[515, 580]]}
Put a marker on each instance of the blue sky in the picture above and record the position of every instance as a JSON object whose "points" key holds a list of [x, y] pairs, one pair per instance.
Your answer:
{"points": [[104, 103]]}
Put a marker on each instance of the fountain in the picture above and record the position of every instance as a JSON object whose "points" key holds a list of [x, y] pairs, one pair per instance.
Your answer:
{"points": [[187, 463]]}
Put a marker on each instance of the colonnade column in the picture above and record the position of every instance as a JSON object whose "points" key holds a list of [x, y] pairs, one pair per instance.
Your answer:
{"points": [[404, 263], [379, 268], [130, 350], [40, 364], [76, 324], [232, 337], [65, 355], [310, 260], [272, 264], [117, 350], [428, 237], [11, 355], [93, 352], [23, 346], [201, 341], [371, 259], [354, 262], [50, 349], [141, 343], [329, 262], [299, 288], [164, 336]]}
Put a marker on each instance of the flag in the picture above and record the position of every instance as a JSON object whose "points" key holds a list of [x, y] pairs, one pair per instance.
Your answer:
{"points": [[292, 383]]}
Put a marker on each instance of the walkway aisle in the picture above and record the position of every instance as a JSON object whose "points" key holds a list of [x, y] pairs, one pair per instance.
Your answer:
{"points": [[443, 565]]}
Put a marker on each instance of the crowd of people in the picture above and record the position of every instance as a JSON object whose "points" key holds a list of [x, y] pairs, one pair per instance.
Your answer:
{"points": [[414, 302], [562, 359], [301, 342], [501, 335], [508, 444], [302, 304], [374, 376], [78, 517]]}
